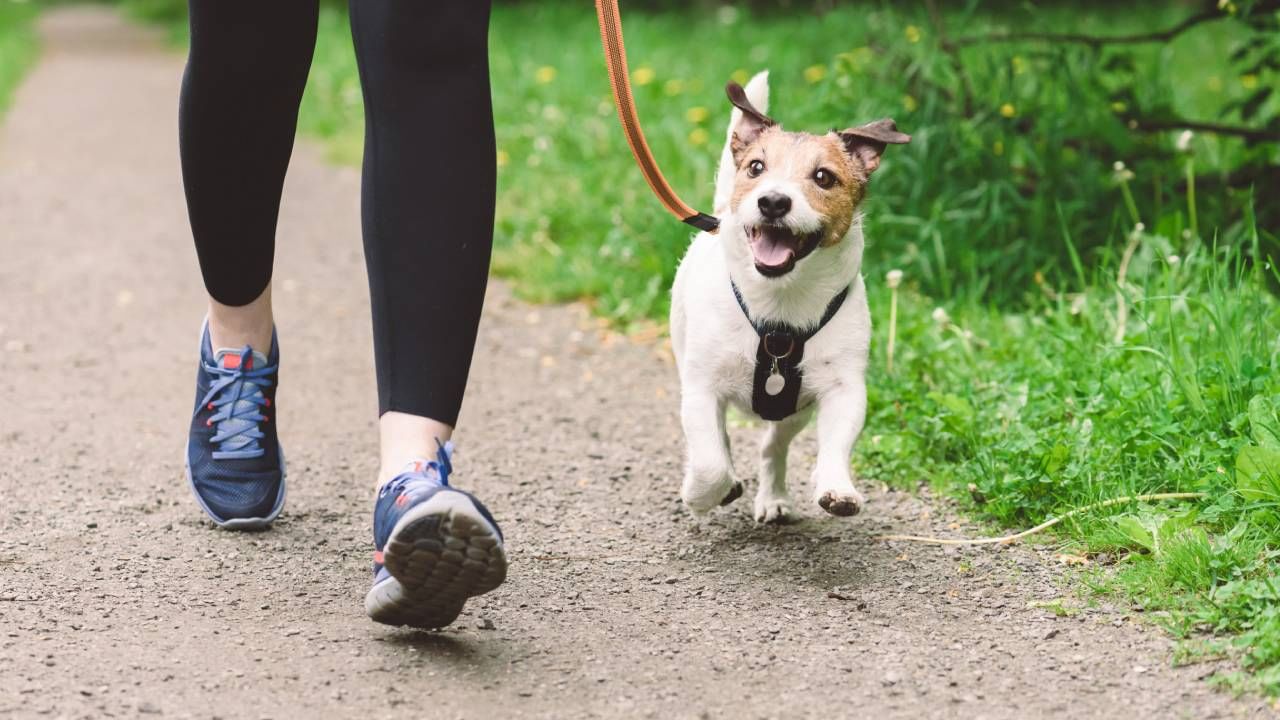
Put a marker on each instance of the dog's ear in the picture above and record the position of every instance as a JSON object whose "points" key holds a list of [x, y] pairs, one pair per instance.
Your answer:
{"points": [[753, 121], [867, 142]]}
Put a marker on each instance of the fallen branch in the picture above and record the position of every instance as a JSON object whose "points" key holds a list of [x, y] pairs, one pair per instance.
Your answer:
{"points": [[1046, 524]]}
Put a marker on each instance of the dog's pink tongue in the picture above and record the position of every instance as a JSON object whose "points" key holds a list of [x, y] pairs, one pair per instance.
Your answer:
{"points": [[771, 252]]}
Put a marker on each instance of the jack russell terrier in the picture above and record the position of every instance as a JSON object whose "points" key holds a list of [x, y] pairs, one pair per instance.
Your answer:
{"points": [[770, 314]]}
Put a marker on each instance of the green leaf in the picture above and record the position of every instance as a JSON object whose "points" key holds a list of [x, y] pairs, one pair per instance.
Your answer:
{"points": [[1174, 524], [1135, 531], [1258, 473], [1264, 420], [959, 413]]}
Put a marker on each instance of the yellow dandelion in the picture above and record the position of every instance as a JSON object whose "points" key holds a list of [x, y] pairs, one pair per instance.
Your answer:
{"points": [[740, 76], [696, 114], [643, 75], [1019, 65], [997, 147], [909, 103], [1008, 110], [1249, 81], [814, 73], [698, 136], [503, 158], [544, 75], [1119, 106], [913, 34], [673, 87]]}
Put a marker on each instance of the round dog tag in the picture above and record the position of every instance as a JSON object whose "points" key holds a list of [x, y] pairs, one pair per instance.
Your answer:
{"points": [[774, 384]]}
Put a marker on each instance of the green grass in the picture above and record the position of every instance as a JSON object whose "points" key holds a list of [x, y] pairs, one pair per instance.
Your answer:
{"points": [[1010, 224], [1023, 416], [18, 46]]}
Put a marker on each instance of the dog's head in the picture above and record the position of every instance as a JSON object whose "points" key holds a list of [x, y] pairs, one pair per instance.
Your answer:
{"points": [[796, 193]]}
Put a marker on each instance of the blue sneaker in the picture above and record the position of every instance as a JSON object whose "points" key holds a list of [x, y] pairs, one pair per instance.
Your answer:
{"points": [[434, 547], [234, 463]]}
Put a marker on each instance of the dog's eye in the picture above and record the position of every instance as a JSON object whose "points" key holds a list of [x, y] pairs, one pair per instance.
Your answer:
{"points": [[824, 178], [754, 168]]}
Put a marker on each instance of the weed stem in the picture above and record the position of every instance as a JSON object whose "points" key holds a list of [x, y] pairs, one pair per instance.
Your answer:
{"points": [[1047, 523]]}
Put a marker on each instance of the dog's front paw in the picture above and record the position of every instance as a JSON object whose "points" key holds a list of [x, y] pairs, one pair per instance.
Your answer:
{"points": [[703, 495], [842, 504], [774, 510]]}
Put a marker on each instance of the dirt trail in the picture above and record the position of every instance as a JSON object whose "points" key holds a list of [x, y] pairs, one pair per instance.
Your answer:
{"points": [[116, 598]]}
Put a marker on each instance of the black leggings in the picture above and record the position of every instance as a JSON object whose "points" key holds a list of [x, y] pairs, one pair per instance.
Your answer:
{"points": [[429, 170]]}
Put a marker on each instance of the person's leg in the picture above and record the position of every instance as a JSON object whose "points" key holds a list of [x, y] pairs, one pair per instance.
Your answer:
{"points": [[428, 202], [237, 115], [238, 111]]}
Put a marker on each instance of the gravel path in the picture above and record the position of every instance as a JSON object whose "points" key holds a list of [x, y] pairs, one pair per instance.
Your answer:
{"points": [[116, 598]]}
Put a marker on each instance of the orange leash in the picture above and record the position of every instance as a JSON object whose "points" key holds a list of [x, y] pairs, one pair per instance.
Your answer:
{"points": [[615, 57]]}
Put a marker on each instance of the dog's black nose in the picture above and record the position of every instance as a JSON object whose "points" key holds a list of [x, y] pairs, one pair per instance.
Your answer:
{"points": [[774, 205]]}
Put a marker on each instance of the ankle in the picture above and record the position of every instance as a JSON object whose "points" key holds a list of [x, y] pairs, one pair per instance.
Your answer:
{"points": [[234, 326], [405, 438]]}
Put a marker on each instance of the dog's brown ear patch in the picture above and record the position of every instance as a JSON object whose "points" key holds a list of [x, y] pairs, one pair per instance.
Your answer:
{"points": [[753, 121], [867, 142]]}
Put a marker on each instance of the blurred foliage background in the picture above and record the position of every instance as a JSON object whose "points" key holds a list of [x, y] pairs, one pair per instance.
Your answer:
{"points": [[1019, 112]]}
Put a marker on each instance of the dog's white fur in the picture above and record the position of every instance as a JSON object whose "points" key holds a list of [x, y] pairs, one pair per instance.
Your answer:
{"points": [[715, 347]]}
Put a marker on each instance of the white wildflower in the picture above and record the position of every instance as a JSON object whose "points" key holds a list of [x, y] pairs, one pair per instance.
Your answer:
{"points": [[1173, 259], [1184, 141], [940, 316], [893, 278]]}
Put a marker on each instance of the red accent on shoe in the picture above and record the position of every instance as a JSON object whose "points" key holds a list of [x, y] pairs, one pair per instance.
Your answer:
{"points": [[402, 500], [210, 406], [377, 556], [267, 401], [232, 362], [208, 423]]}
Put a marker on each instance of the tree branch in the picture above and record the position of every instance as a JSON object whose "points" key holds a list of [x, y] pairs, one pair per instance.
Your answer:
{"points": [[1094, 41], [1252, 134]]}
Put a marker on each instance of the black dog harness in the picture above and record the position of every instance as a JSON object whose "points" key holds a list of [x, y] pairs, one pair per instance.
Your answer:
{"points": [[775, 386]]}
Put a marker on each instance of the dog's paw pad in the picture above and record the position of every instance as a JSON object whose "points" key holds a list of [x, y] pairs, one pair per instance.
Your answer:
{"points": [[775, 512], [840, 505], [735, 492]]}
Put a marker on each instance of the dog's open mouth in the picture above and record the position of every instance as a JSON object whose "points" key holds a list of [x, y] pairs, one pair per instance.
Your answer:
{"points": [[776, 249]]}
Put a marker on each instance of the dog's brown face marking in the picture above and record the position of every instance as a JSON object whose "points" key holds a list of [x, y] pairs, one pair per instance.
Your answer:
{"points": [[833, 180], [830, 171]]}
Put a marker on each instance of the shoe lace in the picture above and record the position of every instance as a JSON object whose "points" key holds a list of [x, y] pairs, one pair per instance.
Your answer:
{"points": [[237, 399], [442, 466]]}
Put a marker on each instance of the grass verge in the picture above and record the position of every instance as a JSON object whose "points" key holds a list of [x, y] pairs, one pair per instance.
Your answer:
{"points": [[18, 46], [1023, 416]]}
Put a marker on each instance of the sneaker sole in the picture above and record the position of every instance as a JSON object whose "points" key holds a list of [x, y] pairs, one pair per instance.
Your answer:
{"points": [[439, 555]]}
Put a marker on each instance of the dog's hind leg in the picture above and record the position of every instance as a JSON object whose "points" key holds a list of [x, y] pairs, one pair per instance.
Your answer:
{"points": [[773, 502], [708, 479]]}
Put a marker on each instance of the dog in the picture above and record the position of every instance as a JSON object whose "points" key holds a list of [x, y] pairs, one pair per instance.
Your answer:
{"points": [[770, 314]]}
